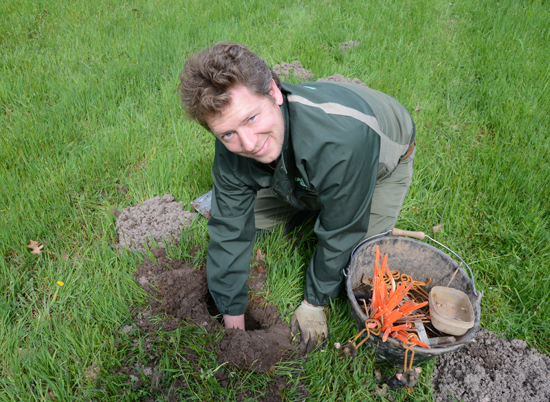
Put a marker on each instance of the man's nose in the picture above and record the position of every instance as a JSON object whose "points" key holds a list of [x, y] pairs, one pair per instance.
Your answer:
{"points": [[248, 140]]}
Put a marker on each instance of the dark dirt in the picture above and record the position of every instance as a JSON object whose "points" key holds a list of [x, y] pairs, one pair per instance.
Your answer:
{"points": [[179, 290], [260, 348], [145, 371], [180, 297], [492, 370]]}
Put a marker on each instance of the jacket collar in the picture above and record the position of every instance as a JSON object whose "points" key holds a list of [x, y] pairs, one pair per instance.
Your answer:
{"points": [[286, 153]]}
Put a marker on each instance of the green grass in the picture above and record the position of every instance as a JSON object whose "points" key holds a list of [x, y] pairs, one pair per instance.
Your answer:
{"points": [[90, 120]]}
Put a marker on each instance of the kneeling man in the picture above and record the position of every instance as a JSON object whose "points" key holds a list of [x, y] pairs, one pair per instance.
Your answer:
{"points": [[341, 151]]}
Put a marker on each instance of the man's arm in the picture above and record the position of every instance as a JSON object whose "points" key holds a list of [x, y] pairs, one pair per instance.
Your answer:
{"points": [[232, 230], [345, 188]]}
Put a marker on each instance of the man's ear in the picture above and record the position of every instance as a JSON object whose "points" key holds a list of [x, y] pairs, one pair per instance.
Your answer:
{"points": [[276, 93]]}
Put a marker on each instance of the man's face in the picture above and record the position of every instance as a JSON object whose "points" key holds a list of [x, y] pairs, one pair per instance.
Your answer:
{"points": [[251, 126]]}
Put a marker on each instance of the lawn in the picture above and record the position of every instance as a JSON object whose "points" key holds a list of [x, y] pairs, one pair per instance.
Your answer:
{"points": [[90, 121]]}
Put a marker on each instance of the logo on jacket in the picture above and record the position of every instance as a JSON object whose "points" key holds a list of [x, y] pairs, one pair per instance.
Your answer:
{"points": [[302, 183]]}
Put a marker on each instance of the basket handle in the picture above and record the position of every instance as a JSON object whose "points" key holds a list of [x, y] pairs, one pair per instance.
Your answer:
{"points": [[416, 235], [422, 236], [408, 233]]}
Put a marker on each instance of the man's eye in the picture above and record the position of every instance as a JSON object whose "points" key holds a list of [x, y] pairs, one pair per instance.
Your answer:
{"points": [[252, 118], [226, 136]]}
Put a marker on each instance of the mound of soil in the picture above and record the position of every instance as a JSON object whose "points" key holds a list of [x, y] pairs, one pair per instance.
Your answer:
{"points": [[258, 349], [159, 218], [493, 370], [287, 70]]}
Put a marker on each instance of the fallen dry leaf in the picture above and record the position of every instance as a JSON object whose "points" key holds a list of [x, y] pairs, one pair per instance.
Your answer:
{"points": [[437, 228], [36, 247], [259, 255]]}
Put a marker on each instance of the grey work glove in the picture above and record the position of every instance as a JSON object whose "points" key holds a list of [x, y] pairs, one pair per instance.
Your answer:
{"points": [[311, 323]]}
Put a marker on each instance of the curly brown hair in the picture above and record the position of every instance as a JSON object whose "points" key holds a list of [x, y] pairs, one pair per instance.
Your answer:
{"points": [[209, 74]]}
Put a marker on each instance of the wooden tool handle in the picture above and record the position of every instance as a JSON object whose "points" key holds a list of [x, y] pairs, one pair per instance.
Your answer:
{"points": [[400, 232]]}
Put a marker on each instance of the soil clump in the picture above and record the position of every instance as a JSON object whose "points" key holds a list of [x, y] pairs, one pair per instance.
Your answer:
{"points": [[257, 349], [296, 70], [161, 219], [492, 370], [288, 70]]}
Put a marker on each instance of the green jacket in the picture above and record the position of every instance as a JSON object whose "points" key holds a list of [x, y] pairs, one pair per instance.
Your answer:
{"points": [[339, 140]]}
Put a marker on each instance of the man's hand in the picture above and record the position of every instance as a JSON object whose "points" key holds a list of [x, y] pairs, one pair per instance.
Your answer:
{"points": [[234, 321], [311, 323]]}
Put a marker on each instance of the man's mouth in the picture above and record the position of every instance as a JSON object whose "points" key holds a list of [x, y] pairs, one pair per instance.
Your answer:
{"points": [[263, 149]]}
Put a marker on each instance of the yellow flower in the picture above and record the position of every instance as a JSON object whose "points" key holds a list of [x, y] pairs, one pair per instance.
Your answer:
{"points": [[60, 283]]}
